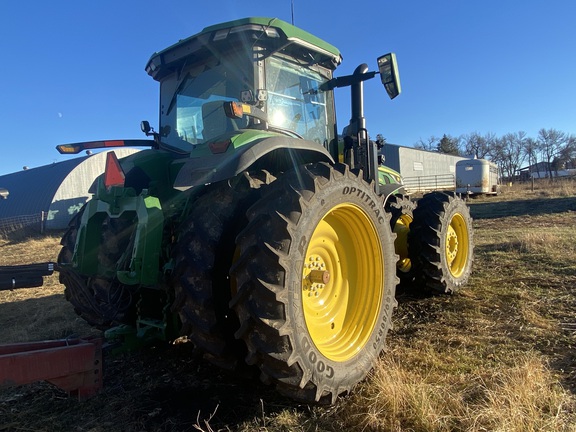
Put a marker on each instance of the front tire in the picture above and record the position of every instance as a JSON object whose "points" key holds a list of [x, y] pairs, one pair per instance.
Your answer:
{"points": [[316, 281], [441, 241]]}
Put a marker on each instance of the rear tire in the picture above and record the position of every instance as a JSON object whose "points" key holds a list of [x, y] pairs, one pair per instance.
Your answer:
{"points": [[441, 241], [101, 301], [401, 209], [316, 281], [205, 252]]}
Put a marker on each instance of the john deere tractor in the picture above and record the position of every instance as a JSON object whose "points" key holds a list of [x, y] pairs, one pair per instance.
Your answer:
{"points": [[248, 227]]}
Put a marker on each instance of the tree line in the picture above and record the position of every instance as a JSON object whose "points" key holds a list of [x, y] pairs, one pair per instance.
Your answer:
{"points": [[554, 150]]}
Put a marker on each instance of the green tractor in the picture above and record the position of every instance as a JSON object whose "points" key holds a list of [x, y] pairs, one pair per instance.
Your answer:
{"points": [[247, 227]]}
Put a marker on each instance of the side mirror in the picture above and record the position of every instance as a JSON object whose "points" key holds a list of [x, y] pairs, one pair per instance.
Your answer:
{"points": [[145, 127], [389, 75]]}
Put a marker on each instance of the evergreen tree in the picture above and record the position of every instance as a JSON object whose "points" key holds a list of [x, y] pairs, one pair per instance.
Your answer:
{"points": [[449, 145]]}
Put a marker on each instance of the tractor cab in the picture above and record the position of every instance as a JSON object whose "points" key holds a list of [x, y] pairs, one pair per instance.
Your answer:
{"points": [[270, 66]]}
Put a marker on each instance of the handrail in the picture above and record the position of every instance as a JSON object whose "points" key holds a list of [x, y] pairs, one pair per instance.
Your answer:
{"points": [[430, 183]]}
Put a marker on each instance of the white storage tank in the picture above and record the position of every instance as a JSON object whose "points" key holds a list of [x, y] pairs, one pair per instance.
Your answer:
{"points": [[477, 176]]}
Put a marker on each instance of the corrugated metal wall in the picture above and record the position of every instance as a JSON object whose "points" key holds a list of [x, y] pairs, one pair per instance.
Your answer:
{"points": [[31, 191], [421, 167]]}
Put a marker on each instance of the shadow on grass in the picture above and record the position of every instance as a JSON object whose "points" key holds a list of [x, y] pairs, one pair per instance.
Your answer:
{"points": [[172, 388], [162, 388], [39, 318], [491, 210]]}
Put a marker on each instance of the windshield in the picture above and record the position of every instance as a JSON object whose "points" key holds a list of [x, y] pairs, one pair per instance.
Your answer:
{"points": [[191, 108], [294, 102]]}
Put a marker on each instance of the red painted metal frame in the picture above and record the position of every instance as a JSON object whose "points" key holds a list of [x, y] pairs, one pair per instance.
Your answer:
{"points": [[74, 365]]}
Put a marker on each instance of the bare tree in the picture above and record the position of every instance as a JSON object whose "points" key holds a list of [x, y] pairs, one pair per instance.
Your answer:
{"points": [[567, 156], [511, 153], [431, 144], [447, 144], [478, 145], [497, 155], [531, 152], [555, 148], [550, 144]]}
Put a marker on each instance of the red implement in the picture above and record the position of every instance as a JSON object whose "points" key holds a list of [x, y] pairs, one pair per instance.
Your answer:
{"points": [[74, 365]]}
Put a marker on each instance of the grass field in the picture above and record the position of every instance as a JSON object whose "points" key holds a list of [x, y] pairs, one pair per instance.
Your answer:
{"points": [[498, 356]]}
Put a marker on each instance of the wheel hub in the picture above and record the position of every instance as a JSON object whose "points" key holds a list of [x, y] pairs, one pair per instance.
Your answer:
{"points": [[315, 276], [451, 245]]}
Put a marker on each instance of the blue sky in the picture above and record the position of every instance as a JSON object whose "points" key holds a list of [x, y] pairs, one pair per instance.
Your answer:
{"points": [[74, 70]]}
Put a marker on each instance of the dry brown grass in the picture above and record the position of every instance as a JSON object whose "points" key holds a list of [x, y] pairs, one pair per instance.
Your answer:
{"points": [[35, 313], [524, 397], [542, 188], [498, 356]]}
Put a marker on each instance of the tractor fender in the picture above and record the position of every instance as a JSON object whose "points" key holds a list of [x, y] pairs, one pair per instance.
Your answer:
{"points": [[391, 189], [271, 153]]}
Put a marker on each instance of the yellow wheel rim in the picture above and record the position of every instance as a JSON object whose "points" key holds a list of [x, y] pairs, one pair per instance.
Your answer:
{"points": [[343, 282], [457, 245], [402, 228]]}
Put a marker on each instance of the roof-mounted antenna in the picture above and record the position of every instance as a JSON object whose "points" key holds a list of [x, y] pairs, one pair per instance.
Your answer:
{"points": [[292, 10]]}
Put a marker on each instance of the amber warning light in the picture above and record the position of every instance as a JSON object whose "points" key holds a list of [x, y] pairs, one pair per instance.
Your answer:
{"points": [[113, 176]]}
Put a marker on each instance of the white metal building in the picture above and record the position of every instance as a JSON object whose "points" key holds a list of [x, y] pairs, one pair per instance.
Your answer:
{"points": [[422, 170]]}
